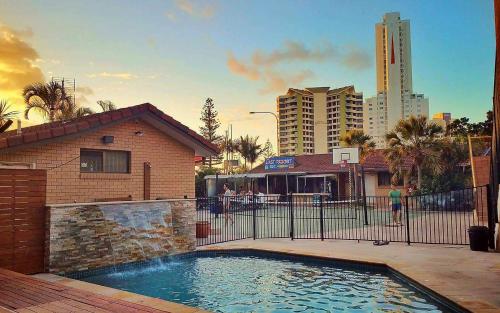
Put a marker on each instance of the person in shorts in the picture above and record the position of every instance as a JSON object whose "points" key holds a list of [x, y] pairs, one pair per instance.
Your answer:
{"points": [[395, 198], [226, 202]]}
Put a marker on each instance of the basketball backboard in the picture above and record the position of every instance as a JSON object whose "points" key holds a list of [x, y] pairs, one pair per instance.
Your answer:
{"points": [[342, 155]]}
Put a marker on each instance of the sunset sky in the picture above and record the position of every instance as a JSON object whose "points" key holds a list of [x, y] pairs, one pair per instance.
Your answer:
{"points": [[175, 54]]}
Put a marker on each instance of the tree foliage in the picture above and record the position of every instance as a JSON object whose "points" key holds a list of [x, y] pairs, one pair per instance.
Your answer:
{"points": [[268, 151], [6, 112], [106, 105], [357, 139], [211, 124], [462, 127], [51, 101], [414, 142], [249, 149]]}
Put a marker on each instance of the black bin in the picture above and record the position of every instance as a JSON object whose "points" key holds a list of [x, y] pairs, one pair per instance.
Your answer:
{"points": [[478, 238]]}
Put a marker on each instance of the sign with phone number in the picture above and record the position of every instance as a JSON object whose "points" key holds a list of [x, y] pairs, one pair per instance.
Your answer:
{"points": [[279, 163]]}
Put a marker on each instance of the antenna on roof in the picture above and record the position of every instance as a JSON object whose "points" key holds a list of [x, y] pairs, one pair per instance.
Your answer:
{"points": [[68, 85]]}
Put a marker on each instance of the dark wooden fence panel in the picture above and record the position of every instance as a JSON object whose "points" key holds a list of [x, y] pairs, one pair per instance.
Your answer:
{"points": [[22, 219]]}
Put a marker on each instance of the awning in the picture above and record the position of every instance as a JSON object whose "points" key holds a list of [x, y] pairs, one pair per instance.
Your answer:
{"points": [[318, 175], [253, 175]]}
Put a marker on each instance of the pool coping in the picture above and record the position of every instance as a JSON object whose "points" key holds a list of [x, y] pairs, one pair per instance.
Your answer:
{"points": [[72, 279]]}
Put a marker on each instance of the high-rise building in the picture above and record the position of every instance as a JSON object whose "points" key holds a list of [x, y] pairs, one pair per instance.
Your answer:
{"points": [[395, 99], [311, 121], [442, 119]]}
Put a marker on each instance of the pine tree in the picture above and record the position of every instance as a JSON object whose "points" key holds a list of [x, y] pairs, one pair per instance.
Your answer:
{"points": [[267, 151], [210, 125]]}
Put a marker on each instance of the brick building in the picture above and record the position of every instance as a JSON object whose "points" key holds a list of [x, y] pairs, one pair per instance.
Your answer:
{"points": [[135, 153]]}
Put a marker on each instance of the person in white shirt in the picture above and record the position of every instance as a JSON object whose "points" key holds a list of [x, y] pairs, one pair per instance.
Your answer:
{"points": [[226, 201]]}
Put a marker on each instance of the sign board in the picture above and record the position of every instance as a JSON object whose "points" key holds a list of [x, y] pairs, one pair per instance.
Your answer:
{"points": [[283, 162]]}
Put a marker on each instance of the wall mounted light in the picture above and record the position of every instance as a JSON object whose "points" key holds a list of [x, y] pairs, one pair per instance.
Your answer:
{"points": [[139, 133], [108, 139]]}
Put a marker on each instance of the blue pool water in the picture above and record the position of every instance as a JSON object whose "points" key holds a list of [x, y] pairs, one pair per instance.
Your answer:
{"points": [[253, 282]]}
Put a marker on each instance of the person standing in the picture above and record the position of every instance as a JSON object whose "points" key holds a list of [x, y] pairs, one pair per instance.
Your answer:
{"points": [[395, 198], [226, 202]]}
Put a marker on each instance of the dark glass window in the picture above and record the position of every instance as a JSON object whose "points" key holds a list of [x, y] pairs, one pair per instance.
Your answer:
{"points": [[104, 161], [384, 178]]}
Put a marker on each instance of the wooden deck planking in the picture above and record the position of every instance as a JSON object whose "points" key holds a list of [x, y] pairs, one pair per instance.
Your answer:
{"points": [[21, 293]]}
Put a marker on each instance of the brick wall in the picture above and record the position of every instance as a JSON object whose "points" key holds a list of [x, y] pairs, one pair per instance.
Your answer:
{"points": [[89, 236], [172, 165]]}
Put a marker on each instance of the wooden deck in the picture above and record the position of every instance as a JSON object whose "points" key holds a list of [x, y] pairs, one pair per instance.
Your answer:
{"points": [[21, 293]]}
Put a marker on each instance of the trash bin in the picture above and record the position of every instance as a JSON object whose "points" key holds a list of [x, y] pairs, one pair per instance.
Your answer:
{"points": [[478, 238]]}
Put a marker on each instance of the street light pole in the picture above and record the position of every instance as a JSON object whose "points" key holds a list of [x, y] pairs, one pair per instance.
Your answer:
{"points": [[277, 128]]}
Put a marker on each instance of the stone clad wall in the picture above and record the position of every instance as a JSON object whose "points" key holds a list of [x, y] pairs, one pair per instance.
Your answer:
{"points": [[89, 236]]}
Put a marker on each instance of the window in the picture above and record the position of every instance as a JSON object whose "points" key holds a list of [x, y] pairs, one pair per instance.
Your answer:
{"points": [[104, 161], [384, 178]]}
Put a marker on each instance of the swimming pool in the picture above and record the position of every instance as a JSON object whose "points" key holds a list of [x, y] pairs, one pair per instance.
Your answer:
{"points": [[257, 281]]}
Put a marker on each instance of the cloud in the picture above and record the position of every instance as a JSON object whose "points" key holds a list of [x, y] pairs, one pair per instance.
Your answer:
{"points": [[17, 62], [82, 92], [126, 76], [241, 69], [278, 82], [196, 9], [294, 51], [357, 59], [262, 66]]}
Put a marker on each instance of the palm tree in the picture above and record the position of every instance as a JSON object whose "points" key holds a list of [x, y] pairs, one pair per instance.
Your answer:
{"points": [[51, 101], [254, 150], [106, 105], [6, 113], [243, 147], [249, 149], [357, 139], [70, 110], [415, 142]]}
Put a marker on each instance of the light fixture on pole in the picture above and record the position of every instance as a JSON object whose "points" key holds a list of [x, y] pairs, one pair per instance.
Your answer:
{"points": [[277, 128]]}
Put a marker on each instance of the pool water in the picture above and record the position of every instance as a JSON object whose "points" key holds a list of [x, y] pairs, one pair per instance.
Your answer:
{"points": [[249, 282]]}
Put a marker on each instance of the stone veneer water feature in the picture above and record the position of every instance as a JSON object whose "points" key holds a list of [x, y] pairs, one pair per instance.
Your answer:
{"points": [[92, 235]]}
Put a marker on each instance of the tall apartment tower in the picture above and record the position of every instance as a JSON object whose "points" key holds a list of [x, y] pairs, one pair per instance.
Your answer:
{"points": [[311, 121], [395, 99]]}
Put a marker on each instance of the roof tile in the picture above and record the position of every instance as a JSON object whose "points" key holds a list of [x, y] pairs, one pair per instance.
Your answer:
{"points": [[58, 128], [83, 125], [57, 131], [30, 137], [44, 134], [116, 115], [70, 129], [3, 143], [15, 140]]}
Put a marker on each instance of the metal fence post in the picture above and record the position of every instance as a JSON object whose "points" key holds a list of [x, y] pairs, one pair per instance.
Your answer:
{"points": [[290, 206], [365, 208], [491, 215], [321, 218], [407, 209], [254, 225]]}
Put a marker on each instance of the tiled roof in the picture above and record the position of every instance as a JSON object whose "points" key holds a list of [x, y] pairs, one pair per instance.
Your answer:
{"points": [[37, 133], [323, 164]]}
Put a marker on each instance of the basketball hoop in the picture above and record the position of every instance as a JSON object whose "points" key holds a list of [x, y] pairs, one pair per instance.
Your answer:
{"points": [[343, 164]]}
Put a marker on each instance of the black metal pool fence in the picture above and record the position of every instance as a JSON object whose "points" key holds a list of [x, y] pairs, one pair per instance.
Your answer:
{"points": [[439, 218]]}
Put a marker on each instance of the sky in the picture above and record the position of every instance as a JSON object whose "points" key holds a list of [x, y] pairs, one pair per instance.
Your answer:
{"points": [[243, 54]]}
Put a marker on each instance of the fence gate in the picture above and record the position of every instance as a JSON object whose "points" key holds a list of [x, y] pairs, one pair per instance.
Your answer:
{"points": [[22, 219]]}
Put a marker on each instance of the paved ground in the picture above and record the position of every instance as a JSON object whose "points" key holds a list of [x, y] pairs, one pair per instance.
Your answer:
{"points": [[471, 279]]}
